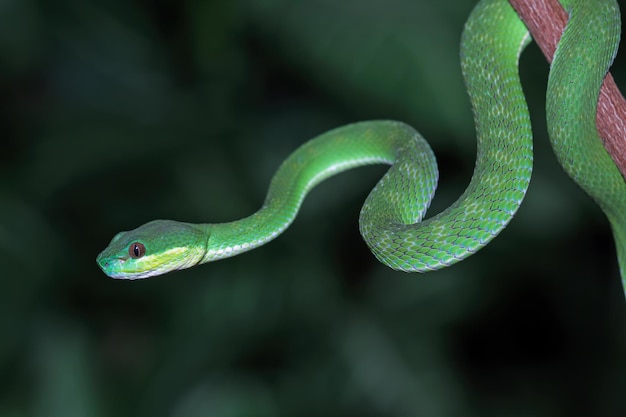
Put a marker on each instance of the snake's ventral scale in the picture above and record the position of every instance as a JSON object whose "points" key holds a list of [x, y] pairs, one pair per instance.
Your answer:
{"points": [[391, 218]]}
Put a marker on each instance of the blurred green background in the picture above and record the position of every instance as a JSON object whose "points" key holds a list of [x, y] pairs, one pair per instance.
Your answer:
{"points": [[115, 113]]}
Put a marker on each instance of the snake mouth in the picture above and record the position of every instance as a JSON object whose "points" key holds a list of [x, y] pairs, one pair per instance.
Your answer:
{"points": [[113, 267]]}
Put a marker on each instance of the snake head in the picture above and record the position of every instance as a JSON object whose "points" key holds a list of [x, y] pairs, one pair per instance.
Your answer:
{"points": [[155, 248]]}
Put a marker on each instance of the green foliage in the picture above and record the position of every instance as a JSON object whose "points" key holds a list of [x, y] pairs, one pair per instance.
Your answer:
{"points": [[115, 113]]}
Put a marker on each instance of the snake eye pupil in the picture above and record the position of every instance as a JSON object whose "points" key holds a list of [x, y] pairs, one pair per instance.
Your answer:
{"points": [[136, 250]]}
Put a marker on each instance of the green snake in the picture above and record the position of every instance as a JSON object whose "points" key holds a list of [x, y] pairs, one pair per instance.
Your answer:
{"points": [[391, 218]]}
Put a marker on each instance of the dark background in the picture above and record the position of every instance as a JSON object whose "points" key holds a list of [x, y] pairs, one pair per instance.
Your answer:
{"points": [[119, 112]]}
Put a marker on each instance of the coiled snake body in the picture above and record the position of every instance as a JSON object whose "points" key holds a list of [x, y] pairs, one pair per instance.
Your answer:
{"points": [[391, 217]]}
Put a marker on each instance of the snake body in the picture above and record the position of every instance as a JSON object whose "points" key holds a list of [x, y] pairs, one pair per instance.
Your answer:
{"points": [[391, 217]]}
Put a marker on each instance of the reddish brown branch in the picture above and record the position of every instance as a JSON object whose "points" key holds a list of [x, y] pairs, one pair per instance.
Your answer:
{"points": [[546, 19]]}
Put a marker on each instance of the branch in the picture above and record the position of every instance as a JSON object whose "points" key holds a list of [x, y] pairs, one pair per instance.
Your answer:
{"points": [[546, 19]]}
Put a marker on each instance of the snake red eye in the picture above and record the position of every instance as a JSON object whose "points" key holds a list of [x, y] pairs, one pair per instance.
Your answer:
{"points": [[136, 250]]}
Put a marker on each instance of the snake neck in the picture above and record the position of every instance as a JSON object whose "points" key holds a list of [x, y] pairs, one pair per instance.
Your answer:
{"points": [[229, 239]]}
